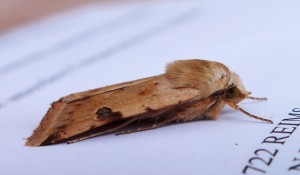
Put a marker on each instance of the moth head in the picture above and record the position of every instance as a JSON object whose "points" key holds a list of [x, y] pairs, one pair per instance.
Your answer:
{"points": [[234, 94], [236, 91]]}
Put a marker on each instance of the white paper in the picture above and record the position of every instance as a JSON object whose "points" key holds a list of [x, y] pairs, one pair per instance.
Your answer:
{"points": [[96, 45]]}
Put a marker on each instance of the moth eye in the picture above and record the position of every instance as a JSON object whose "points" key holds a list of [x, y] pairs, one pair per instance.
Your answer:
{"points": [[232, 93]]}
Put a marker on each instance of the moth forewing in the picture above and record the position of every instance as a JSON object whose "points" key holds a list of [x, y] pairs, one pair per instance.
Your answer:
{"points": [[78, 113]]}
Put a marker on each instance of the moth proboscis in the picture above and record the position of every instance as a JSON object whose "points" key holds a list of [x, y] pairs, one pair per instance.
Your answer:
{"points": [[188, 90]]}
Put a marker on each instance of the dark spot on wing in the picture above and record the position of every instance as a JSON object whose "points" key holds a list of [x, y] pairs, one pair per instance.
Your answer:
{"points": [[105, 112]]}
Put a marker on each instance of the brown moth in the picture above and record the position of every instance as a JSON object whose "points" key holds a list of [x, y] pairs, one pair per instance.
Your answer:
{"points": [[188, 90]]}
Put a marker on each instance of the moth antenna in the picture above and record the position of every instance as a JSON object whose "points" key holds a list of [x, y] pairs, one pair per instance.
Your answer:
{"points": [[235, 106], [256, 98]]}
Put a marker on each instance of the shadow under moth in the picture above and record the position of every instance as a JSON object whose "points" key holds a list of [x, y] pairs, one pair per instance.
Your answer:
{"points": [[189, 90]]}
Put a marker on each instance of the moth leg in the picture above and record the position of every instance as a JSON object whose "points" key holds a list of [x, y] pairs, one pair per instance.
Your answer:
{"points": [[256, 98], [104, 132], [155, 125]]}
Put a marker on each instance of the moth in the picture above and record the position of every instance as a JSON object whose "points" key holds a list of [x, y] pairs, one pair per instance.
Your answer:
{"points": [[188, 90]]}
